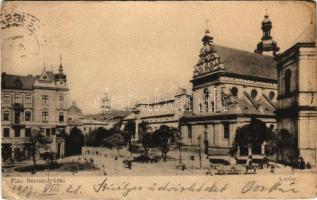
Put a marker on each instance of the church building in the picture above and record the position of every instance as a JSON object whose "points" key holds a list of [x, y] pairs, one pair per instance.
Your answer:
{"points": [[231, 87], [297, 95]]}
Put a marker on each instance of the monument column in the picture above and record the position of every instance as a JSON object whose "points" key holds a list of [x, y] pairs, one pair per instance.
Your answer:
{"points": [[136, 135]]}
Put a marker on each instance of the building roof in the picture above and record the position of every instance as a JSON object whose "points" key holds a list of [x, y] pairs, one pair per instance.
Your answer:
{"points": [[119, 113], [245, 63], [74, 122], [74, 110], [9, 81], [308, 35], [112, 114], [150, 114]]}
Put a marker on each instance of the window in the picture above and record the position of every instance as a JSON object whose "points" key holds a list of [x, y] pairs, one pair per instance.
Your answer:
{"points": [[48, 132], [6, 132], [189, 131], [206, 95], [53, 131], [28, 132], [44, 116], [17, 99], [254, 93], [16, 117], [44, 100], [17, 132], [6, 116], [28, 99], [61, 101], [226, 131], [200, 107], [271, 95], [17, 84], [287, 82], [27, 116], [61, 117], [6, 99], [213, 106], [234, 91]]}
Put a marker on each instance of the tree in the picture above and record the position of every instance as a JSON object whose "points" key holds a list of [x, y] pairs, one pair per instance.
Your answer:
{"points": [[115, 140], [74, 142], [130, 129], [287, 146], [253, 134], [162, 138], [37, 142], [145, 137], [96, 136], [146, 143]]}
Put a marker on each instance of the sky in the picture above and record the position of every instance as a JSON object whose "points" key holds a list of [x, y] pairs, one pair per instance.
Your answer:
{"points": [[136, 48]]}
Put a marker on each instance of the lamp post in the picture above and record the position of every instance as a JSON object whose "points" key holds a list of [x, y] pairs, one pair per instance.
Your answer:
{"points": [[199, 150]]}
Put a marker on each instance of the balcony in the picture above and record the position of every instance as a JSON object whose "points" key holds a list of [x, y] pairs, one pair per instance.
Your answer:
{"points": [[15, 140], [18, 106], [18, 123]]}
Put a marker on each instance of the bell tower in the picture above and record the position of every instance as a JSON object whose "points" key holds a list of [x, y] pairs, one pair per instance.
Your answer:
{"points": [[267, 44]]}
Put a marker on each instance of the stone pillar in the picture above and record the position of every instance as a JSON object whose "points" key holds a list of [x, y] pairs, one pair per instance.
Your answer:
{"points": [[249, 150], [53, 144], [263, 148], [62, 150], [238, 151], [136, 135], [22, 132], [12, 150], [231, 133]]}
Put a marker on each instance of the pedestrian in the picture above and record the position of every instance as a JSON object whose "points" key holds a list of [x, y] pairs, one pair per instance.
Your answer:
{"points": [[129, 164], [266, 162], [249, 164], [273, 168], [206, 143], [293, 165]]}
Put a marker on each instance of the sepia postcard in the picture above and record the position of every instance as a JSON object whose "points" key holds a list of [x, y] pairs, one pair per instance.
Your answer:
{"points": [[158, 100]]}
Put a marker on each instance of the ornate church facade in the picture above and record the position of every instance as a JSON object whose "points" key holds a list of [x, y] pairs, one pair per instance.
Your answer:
{"points": [[231, 87]]}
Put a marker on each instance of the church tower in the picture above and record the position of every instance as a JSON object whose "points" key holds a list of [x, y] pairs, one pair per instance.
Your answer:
{"points": [[60, 77], [267, 44]]}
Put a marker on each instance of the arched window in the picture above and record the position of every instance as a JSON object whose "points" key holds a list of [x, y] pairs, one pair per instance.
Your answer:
{"points": [[17, 84], [254, 93], [44, 100], [17, 99], [271, 95], [6, 115], [234, 91], [45, 116], [287, 82], [206, 97], [28, 116], [61, 117]]}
